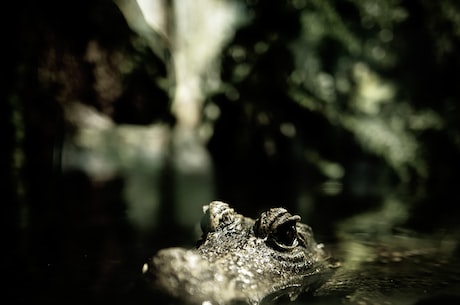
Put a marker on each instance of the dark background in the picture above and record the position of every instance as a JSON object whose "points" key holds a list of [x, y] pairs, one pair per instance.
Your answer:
{"points": [[66, 234]]}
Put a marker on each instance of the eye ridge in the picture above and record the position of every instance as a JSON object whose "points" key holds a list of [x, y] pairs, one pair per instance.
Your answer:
{"points": [[279, 228]]}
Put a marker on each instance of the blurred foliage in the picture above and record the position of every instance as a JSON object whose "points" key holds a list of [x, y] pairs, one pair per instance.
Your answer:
{"points": [[327, 107], [361, 93], [346, 112]]}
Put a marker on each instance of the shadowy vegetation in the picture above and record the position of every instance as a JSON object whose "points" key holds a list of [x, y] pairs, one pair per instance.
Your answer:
{"points": [[346, 112]]}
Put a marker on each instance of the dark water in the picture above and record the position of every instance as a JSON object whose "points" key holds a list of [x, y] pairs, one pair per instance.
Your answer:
{"points": [[84, 250], [89, 263], [397, 269]]}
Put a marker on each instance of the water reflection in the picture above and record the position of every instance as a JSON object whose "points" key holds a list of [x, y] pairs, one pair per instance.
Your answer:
{"points": [[147, 159]]}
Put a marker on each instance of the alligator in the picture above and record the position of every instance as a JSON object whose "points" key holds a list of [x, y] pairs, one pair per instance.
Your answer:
{"points": [[240, 260]]}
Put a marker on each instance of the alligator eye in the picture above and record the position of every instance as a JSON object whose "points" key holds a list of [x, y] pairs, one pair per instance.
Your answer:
{"points": [[216, 214], [278, 228], [285, 235]]}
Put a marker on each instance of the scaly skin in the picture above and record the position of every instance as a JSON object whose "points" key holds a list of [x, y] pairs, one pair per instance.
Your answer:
{"points": [[240, 259]]}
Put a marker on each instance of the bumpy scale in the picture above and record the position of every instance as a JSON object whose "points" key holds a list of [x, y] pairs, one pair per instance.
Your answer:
{"points": [[239, 259]]}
